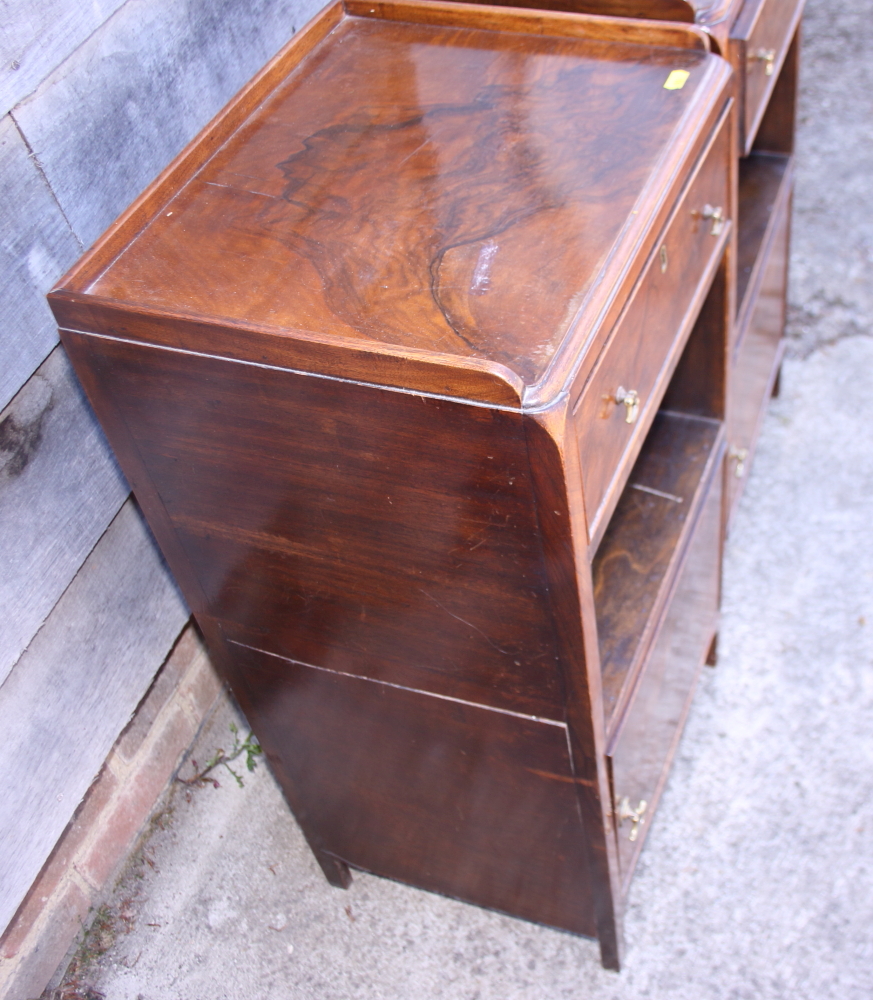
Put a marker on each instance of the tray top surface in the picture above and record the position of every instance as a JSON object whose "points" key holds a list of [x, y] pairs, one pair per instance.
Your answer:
{"points": [[446, 189]]}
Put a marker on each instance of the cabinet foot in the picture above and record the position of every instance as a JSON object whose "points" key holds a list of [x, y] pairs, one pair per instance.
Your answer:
{"points": [[335, 871], [777, 384], [610, 952], [712, 652]]}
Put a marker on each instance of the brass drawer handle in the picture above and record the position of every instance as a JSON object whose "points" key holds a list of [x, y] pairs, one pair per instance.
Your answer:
{"points": [[634, 815], [767, 57], [717, 216], [631, 400], [739, 455]]}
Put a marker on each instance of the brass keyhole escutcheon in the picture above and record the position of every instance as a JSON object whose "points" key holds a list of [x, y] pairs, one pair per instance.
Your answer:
{"points": [[717, 216], [739, 455], [631, 400], [767, 57], [634, 815], [663, 256]]}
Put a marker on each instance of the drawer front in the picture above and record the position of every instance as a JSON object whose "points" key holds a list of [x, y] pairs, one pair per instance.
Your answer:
{"points": [[757, 358], [643, 747], [762, 34], [646, 341]]}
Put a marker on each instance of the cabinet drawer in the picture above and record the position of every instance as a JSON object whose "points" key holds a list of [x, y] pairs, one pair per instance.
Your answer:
{"points": [[759, 41], [647, 338], [644, 744]]}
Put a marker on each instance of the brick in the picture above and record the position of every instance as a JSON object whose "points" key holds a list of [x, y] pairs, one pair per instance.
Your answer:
{"points": [[48, 944], [56, 868], [188, 647], [137, 797], [89, 815], [201, 687]]}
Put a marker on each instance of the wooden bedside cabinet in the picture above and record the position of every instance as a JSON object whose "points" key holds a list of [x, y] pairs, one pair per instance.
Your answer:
{"points": [[416, 360], [761, 40]]}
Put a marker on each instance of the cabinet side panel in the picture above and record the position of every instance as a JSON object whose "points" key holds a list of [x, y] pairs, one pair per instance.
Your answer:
{"points": [[558, 483], [469, 802], [376, 533]]}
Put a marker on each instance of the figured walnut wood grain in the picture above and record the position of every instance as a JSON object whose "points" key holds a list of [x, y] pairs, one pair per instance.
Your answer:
{"points": [[433, 196]]}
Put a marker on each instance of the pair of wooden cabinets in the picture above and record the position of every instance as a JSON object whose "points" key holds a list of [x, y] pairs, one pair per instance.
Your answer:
{"points": [[425, 361]]}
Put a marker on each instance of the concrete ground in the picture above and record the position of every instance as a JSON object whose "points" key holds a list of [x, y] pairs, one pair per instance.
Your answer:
{"points": [[757, 878]]}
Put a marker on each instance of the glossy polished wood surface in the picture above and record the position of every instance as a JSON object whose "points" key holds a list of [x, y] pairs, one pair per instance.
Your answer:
{"points": [[444, 795], [708, 12], [650, 334], [661, 10], [363, 530], [433, 197]]}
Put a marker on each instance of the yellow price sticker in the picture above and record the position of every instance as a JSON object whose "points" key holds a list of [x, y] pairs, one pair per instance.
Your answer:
{"points": [[676, 79]]}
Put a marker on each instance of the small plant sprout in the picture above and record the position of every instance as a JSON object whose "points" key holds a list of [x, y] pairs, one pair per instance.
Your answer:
{"points": [[248, 747]]}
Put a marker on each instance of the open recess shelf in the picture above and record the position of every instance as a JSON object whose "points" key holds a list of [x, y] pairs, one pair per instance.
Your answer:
{"points": [[764, 181], [641, 552]]}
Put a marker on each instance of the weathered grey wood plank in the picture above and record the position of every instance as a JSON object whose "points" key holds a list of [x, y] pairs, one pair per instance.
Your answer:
{"points": [[36, 37], [117, 111], [36, 247], [74, 689], [59, 489]]}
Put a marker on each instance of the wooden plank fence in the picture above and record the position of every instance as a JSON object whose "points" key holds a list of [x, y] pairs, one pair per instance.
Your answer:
{"points": [[96, 99], [36, 247], [59, 489], [74, 690]]}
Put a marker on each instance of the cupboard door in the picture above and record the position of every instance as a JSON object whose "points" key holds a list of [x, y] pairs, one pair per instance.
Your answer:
{"points": [[476, 804], [643, 747]]}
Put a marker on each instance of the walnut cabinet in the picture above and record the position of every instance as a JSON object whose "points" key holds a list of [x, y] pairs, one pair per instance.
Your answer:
{"points": [[418, 362]]}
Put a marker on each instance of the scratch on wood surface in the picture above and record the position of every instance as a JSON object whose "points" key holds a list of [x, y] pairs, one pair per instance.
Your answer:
{"points": [[403, 687], [465, 622], [567, 778]]}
